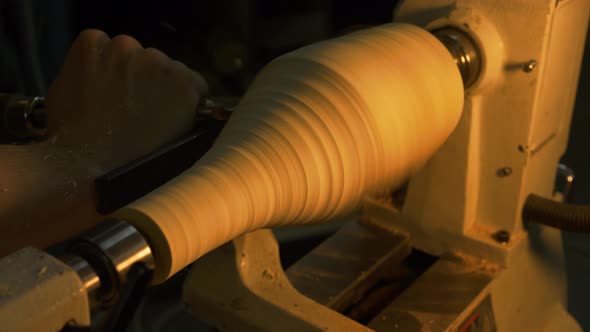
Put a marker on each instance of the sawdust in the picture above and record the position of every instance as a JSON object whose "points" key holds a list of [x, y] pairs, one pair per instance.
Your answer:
{"points": [[473, 264], [41, 272]]}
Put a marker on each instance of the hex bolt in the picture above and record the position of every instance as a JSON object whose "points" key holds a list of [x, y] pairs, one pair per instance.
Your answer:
{"points": [[528, 66], [504, 172], [502, 236]]}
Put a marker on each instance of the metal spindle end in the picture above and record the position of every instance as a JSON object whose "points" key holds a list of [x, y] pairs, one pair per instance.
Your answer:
{"points": [[103, 257], [465, 52]]}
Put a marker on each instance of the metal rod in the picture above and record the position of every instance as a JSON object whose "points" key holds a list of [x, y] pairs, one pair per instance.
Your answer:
{"points": [[109, 250], [465, 52], [87, 275]]}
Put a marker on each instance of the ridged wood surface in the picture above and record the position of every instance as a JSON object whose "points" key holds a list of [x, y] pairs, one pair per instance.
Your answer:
{"points": [[318, 129]]}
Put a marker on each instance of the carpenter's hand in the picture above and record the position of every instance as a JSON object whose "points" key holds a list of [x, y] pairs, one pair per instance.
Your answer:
{"points": [[113, 102], [118, 100]]}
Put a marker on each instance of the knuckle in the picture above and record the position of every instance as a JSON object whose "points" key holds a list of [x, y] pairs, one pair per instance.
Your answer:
{"points": [[90, 39], [124, 45], [91, 35], [156, 56], [84, 52]]}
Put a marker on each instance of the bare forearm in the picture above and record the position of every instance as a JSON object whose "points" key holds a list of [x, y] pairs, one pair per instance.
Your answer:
{"points": [[112, 102], [46, 194]]}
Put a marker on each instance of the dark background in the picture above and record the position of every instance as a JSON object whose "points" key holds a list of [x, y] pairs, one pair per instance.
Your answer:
{"points": [[228, 41]]}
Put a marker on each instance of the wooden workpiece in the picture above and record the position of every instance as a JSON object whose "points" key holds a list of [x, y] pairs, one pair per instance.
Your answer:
{"points": [[319, 128]]}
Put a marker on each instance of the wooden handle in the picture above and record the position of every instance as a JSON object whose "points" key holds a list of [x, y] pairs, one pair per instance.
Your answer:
{"points": [[318, 129]]}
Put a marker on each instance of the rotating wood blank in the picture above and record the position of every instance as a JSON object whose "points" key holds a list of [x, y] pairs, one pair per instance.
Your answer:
{"points": [[318, 129]]}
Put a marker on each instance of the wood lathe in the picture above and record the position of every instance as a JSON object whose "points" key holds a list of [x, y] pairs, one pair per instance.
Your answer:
{"points": [[462, 103]]}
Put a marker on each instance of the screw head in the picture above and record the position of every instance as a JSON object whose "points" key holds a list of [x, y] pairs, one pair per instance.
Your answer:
{"points": [[503, 172], [502, 236], [528, 66]]}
